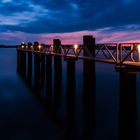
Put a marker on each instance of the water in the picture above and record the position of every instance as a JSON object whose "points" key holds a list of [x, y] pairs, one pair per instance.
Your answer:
{"points": [[99, 107]]}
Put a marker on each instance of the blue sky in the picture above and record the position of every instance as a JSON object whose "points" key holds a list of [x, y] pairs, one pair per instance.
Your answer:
{"points": [[69, 20]]}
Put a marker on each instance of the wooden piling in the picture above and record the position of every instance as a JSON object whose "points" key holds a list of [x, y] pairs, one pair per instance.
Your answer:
{"points": [[57, 76], [128, 109], [48, 72], [89, 45], [23, 62], [89, 84], [29, 64], [18, 60], [36, 68], [70, 100], [43, 66]]}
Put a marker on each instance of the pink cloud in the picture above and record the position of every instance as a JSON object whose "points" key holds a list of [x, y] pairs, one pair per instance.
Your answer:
{"points": [[105, 35]]}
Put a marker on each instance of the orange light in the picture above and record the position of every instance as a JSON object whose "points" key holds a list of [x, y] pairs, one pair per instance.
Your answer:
{"points": [[39, 47], [31, 47], [138, 48], [75, 47], [22, 46]]}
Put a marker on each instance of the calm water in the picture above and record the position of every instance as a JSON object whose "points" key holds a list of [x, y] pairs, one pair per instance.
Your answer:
{"points": [[103, 106]]}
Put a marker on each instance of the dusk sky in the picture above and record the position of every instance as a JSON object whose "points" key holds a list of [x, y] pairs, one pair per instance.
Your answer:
{"points": [[69, 20]]}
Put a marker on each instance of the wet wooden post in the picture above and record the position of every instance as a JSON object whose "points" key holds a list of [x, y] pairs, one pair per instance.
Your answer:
{"points": [[30, 52], [48, 71], [23, 59], [57, 75], [42, 66], [89, 84], [18, 59], [36, 68], [128, 107], [70, 99]]}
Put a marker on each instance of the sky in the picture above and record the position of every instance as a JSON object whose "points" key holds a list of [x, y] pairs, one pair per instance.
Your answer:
{"points": [[68, 20]]}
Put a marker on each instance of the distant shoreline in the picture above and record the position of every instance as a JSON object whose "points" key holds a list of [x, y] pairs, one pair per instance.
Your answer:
{"points": [[6, 46]]}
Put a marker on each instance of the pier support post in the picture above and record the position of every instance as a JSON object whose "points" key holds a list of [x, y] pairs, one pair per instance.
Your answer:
{"points": [[89, 44], [18, 60], [36, 69], [70, 99], [29, 64], [48, 72], [128, 109], [89, 83], [23, 63], [42, 69], [57, 75]]}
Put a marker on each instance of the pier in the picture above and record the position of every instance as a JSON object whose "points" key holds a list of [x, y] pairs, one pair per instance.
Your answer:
{"points": [[120, 54], [42, 69]]}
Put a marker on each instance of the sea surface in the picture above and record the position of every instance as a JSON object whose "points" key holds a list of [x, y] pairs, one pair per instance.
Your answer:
{"points": [[94, 102]]}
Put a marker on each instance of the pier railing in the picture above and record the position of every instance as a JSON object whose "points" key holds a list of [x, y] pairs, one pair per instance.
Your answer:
{"points": [[118, 53]]}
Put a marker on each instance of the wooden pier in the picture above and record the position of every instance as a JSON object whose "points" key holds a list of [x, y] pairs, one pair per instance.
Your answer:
{"points": [[41, 65], [116, 53]]}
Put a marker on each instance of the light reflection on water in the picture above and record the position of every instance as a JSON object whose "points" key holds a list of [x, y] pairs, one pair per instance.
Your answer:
{"points": [[24, 117]]}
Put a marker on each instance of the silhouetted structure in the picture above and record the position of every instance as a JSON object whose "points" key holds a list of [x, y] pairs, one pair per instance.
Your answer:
{"points": [[128, 109], [37, 58], [57, 76], [29, 64], [48, 81], [70, 100], [89, 43], [89, 83]]}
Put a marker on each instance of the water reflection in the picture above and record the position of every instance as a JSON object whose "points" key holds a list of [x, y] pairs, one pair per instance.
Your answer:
{"points": [[52, 101], [128, 108]]}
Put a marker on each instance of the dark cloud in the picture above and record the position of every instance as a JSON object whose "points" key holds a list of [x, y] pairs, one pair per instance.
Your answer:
{"points": [[54, 16]]}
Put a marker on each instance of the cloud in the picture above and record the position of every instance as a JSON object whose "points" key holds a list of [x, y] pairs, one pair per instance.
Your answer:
{"points": [[53, 17], [103, 35]]}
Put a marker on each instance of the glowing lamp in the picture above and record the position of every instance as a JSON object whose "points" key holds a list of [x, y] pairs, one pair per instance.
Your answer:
{"points": [[31, 47], [22, 46], [138, 46], [39, 47], [75, 47]]}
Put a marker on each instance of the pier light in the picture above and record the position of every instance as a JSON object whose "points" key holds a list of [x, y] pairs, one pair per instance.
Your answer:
{"points": [[22, 46], [75, 47], [32, 47], [39, 47], [138, 46]]}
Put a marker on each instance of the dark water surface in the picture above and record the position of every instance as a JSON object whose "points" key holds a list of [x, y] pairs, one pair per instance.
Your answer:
{"points": [[104, 106]]}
